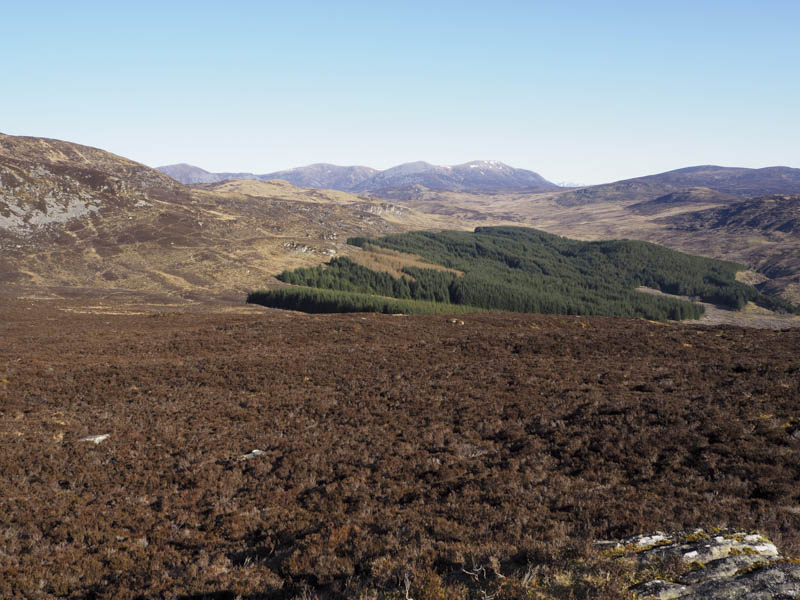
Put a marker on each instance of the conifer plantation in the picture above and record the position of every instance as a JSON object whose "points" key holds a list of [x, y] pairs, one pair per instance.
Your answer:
{"points": [[519, 270]]}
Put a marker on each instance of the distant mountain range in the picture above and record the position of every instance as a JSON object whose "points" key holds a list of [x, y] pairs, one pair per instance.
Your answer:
{"points": [[681, 187], [479, 175], [740, 182]]}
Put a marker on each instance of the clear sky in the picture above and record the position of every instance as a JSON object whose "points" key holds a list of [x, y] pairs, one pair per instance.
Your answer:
{"points": [[578, 91]]}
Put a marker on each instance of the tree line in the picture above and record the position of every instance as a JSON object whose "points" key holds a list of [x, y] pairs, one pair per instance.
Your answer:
{"points": [[315, 300]]}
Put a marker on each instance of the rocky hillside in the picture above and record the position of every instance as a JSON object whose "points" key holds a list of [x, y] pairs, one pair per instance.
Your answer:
{"points": [[49, 182], [79, 217], [765, 230]]}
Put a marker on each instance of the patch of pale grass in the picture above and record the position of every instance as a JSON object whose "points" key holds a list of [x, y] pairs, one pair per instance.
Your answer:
{"points": [[392, 261]]}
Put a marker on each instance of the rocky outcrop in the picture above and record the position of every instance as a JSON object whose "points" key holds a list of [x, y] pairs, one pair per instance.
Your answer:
{"points": [[722, 565], [47, 182]]}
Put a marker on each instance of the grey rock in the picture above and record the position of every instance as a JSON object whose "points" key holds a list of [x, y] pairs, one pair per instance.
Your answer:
{"points": [[252, 454], [775, 581], [708, 549], [97, 439], [658, 588], [721, 568], [728, 565]]}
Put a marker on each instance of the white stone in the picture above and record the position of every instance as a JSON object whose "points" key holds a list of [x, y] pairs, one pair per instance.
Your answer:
{"points": [[96, 438], [651, 539], [766, 549], [255, 453]]}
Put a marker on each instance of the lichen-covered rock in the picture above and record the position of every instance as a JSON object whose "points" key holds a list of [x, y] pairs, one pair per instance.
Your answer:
{"points": [[699, 548], [778, 580], [720, 566], [663, 590]]}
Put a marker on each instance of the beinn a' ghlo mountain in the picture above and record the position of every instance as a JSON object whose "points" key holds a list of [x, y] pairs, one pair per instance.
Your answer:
{"points": [[479, 175]]}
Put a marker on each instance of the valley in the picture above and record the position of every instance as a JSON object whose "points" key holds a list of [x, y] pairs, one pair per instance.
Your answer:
{"points": [[81, 218], [768, 245]]}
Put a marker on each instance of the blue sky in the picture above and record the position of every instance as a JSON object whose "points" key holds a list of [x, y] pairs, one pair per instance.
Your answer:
{"points": [[578, 91]]}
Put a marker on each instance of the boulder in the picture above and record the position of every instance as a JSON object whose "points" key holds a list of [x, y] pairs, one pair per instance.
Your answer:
{"points": [[724, 565]]}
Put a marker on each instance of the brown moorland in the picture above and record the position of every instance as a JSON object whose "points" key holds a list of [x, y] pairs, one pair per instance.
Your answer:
{"points": [[423, 457]]}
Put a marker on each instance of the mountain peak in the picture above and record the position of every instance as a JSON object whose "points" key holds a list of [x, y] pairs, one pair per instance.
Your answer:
{"points": [[419, 166], [485, 164]]}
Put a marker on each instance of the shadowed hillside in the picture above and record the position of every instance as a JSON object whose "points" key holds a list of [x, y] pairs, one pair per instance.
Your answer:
{"points": [[686, 199], [778, 214]]}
